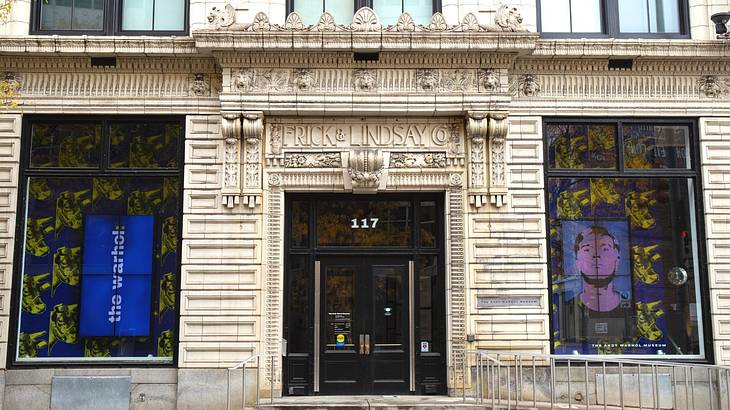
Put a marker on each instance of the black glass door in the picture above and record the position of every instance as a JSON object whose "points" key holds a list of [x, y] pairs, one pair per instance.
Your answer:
{"points": [[365, 324]]}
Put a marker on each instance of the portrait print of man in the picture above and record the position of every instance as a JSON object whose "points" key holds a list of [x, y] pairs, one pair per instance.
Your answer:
{"points": [[595, 290]]}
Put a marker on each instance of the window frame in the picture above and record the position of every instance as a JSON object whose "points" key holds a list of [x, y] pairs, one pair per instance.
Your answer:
{"points": [[112, 23], [693, 173], [102, 170], [610, 24], [358, 4]]}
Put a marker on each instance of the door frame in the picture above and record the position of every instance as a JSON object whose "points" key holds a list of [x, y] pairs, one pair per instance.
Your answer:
{"points": [[430, 369]]}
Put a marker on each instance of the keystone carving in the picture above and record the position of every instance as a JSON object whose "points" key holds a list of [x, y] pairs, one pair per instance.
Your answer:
{"points": [[365, 171]]}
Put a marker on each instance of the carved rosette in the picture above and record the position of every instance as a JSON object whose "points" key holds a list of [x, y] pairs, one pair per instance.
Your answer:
{"points": [[231, 130], [486, 134]]}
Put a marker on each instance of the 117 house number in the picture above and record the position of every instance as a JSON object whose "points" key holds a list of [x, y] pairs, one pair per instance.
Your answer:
{"points": [[365, 223]]}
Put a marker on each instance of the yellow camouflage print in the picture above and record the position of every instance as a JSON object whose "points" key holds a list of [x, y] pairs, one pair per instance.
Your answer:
{"points": [[167, 293], [30, 343], [637, 209], [142, 151], [643, 258], [94, 347], [169, 188], [169, 235], [567, 152], [164, 344], [66, 266], [570, 203], [107, 188], [72, 151], [39, 189], [33, 286], [604, 191], [646, 318], [143, 202], [64, 325], [69, 209], [35, 235]]}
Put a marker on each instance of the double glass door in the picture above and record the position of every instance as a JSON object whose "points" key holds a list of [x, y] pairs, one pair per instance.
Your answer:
{"points": [[364, 335]]}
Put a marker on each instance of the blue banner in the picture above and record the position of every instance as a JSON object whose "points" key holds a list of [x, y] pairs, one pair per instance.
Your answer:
{"points": [[116, 276]]}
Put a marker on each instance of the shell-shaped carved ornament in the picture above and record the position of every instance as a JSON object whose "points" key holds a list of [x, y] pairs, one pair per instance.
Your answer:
{"points": [[470, 23], [326, 22], [365, 19], [260, 22], [294, 22], [438, 22], [405, 23]]}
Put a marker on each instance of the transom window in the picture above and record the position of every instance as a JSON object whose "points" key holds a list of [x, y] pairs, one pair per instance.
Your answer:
{"points": [[613, 18], [107, 17], [625, 261], [387, 10]]}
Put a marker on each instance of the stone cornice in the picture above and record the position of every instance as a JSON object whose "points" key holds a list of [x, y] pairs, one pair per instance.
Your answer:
{"points": [[98, 45], [631, 48]]}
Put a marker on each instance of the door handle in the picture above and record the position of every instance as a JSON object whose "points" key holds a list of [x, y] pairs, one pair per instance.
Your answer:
{"points": [[362, 344], [367, 345]]}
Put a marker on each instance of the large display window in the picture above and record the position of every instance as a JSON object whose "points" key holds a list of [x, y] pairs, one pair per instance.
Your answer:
{"points": [[623, 236], [99, 258]]}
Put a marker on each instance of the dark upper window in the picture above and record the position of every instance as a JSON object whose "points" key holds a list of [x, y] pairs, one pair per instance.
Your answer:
{"points": [[387, 10], [613, 18], [109, 17]]}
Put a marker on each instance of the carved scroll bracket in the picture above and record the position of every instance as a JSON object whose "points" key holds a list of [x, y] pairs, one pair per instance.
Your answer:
{"points": [[486, 134], [231, 130], [252, 128]]}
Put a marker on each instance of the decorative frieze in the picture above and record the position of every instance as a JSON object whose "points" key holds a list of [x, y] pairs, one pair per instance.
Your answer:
{"points": [[313, 160], [417, 160], [712, 86]]}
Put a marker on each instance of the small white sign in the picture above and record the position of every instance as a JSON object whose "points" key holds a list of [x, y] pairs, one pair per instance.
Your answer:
{"points": [[424, 347]]}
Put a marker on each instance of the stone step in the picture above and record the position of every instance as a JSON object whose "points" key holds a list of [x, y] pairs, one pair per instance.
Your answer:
{"points": [[370, 402]]}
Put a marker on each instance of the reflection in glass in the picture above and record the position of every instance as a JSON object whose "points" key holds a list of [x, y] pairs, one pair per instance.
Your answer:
{"points": [[65, 145], [571, 16], [364, 223], [427, 283], [656, 146], [311, 10], [339, 305], [648, 16], [579, 146], [300, 224], [427, 221], [388, 11], [298, 303], [612, 244], [144, 144], [72, 14], [388, 305]]}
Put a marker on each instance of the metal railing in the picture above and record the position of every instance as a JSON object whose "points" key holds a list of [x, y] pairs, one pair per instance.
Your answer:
{"points": [[509, 380], [258, 360]]}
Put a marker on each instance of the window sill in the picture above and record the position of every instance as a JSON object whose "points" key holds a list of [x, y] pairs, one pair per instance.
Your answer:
{"points": [[94, 45]]}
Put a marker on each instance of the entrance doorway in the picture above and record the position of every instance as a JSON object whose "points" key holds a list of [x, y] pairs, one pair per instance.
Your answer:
{"points": [[365, 316], [365, 295]]}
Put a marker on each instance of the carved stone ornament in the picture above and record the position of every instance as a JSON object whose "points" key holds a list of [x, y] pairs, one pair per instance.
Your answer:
{"points": [[303, 79], [427, 79], [275, 139], [507, 19], [231, 130], [712, 86], [454, 143], [529, 86], [365, 170], [243, 80], [365, 80], [365, 19], [458, 80], [482, 128], [489, 80], [200, 85], [313, 160], [418, 160]]}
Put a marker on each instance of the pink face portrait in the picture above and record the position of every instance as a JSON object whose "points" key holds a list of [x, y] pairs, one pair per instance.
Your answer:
{"points": [[597, 257]]}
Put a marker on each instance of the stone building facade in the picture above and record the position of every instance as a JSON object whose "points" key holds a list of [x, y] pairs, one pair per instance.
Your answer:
{"points": [[255, 150]]}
